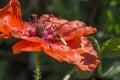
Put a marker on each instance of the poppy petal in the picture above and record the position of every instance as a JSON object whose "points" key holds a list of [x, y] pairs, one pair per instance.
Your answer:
{"points": [[75, 29], [19, 35], [67, 29], [10, 17], [33, 39], [3, 35], [58, 51], [84, 57], [27, 46]]}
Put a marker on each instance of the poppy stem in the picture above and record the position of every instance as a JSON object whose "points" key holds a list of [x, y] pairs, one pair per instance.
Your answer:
{"points": [[37, 67], [99, 55]]}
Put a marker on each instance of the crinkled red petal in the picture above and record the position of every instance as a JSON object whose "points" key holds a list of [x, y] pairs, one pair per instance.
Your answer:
{"points": [[67, 29], [27, 46], [3, 35], [83, 55], [19, 35], [10, 17]]}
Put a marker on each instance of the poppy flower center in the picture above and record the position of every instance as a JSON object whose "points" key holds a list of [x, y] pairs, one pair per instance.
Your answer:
{"points": [[39, 29], [45, 32]]}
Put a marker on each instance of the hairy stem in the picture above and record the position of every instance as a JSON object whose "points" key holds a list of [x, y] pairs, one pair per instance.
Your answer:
{"points": [[37, 67]]}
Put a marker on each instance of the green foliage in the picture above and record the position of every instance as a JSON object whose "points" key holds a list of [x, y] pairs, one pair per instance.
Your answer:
{"points": [[111, 48], [83, 74], [113, 15], [110, 51], [69, 10], [111, 68]]}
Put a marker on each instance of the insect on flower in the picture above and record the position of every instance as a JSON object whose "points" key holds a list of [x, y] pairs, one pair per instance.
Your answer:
{"points": [[61, 39]]}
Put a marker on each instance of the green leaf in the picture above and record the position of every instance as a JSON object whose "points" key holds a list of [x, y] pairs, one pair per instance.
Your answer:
{"points": [[109, 14], [117, 29], [111, 48], [112, 69], [115, 13]]}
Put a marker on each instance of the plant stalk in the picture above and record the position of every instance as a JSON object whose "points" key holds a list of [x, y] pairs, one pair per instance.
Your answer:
{"points": [[37, 67], [99, 55]]}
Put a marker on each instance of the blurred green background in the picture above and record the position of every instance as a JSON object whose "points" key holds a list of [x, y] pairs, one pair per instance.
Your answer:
{"points": [[102, 14]]}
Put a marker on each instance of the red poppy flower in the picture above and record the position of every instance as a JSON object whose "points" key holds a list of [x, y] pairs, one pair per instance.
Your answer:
{"points": [[61, 39]]}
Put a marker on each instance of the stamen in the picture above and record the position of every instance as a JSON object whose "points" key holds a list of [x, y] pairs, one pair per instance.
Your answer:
{"points": [[35, 19], [61, 39], [34, 15]]}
